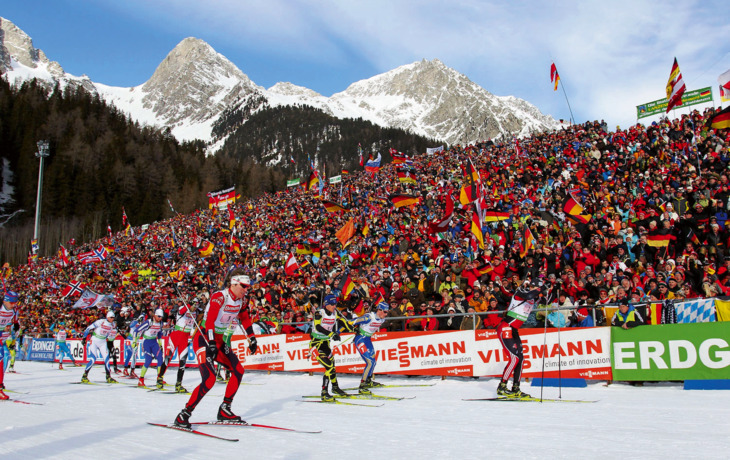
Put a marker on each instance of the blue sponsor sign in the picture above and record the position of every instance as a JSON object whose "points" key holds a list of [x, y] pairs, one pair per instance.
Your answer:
{"points": [[42, 349]]}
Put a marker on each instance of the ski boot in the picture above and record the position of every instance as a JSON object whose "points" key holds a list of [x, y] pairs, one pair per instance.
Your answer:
{"points": [[364, 390], [502, 389], [140, 383], [117, 371], [125, 372], [109, 379], [373, 384], [160, 383], [179, 388], [326, 396], [337, 390], [133, 375], [183, 419], [225, 414], [85, 378], [3, 396], [517, 394], [60, 367]]}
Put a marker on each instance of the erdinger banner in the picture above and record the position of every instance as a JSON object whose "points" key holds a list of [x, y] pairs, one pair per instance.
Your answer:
{"points": [[585, 353], [573, 353]]}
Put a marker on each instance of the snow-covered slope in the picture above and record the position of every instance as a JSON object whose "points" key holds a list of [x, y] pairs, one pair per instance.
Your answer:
{"points": [[194, 85]]}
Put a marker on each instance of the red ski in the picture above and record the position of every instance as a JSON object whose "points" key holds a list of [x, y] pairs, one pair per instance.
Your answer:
{"points": [[191, 431], [254, 425]]}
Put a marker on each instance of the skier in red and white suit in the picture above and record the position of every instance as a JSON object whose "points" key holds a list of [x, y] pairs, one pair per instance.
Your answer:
{"points": [[519, 309], [224, 306]]}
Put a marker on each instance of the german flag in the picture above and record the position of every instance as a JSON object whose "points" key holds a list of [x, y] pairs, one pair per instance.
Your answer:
{"points": [[495, 216], [403, 200], [476, 229], [574, 211], [720, 120], [331, 206], [485, 269], [692, 236], [529, 243], [344, 171], [407, 176], [706, 93], [347, 287], [206, 248], [303, 248], [471, 172], [312, 181], [660, 238]]}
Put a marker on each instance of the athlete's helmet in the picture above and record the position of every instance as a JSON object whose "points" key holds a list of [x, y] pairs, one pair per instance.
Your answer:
{"points": [[330, 300], [110, 315], [383, 306]]}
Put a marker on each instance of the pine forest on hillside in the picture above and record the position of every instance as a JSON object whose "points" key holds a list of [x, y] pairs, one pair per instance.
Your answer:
{"points": [[100, 161]]}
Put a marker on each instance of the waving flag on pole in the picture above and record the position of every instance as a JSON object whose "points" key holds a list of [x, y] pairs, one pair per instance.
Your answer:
{"points": [[554, 77], [675, 87], [724, 81], [292, 267], [373, 165], [529, 243]]}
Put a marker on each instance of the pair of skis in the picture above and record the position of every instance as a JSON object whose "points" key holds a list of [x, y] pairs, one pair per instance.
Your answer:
{"points": [[529, 399], [218, 423]]}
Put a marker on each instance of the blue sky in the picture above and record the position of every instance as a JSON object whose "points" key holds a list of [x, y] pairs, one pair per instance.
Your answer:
{"points": [[611, 55]]}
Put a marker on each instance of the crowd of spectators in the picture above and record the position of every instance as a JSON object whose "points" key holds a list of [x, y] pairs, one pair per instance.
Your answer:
{"points": [[668, 179]]}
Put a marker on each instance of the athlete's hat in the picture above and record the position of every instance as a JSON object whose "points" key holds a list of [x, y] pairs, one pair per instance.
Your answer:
{"points": [[110, 315], [10, 296], [159, 312], [243, 280]]}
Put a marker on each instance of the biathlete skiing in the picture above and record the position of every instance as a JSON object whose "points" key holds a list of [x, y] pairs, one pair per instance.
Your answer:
{"points": [[365, 326], [224, 306], [8, 324], [327, 327], [62, 348], [102, 330], [519, 309], [151, 332], [179, 340]]}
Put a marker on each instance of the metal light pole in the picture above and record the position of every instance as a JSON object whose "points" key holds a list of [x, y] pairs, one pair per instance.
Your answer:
{"points": [[42, 153]]}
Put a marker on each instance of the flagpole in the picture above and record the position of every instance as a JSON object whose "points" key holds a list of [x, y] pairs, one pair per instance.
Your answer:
{"points": [[572, 119]]}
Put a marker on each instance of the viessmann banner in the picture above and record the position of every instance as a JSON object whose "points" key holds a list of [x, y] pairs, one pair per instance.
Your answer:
{"points": [[672, 352], [574, 353]]}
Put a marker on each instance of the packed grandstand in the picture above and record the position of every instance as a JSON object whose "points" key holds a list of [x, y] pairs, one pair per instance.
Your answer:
{"points": [[596, 215]]}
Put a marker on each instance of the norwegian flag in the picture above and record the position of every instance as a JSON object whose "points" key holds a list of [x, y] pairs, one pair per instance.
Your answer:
{"points": [[74, 288], [97, 255]]}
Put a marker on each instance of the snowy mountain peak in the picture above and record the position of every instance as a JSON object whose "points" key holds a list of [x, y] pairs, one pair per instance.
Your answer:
{"points": [[16, 44], [289, 89], [193, 85]]}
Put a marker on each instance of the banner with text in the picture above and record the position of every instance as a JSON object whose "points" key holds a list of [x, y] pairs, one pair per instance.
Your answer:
{"points": [[585, 353], [697, 96], [671, 352]]}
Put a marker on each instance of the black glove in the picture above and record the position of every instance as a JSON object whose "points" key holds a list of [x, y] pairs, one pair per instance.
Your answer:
{"points": [[336, 336], [211, 350], [252, 344], [226, 348]]}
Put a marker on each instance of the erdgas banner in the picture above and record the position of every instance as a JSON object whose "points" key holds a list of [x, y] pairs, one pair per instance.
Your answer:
{"points": [[671, 352]]}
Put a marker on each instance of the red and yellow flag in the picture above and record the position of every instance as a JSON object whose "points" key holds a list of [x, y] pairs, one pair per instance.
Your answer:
{"points": [[403, 200], [675, 87], [554, 77]]}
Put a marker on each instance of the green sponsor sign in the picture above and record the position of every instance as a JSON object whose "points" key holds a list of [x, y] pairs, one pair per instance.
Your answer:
{"points": [[671, 352], [697, 96], [335, 179], [292, 183]]}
